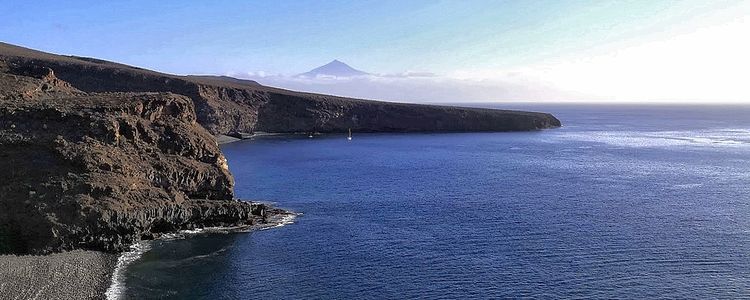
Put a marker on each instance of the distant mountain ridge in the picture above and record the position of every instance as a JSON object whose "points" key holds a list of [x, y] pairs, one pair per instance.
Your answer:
{"points": [[335, 68]]}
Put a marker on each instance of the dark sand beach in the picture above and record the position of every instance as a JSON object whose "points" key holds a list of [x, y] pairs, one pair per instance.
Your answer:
{"points": [[68, 275], [82, 274]]}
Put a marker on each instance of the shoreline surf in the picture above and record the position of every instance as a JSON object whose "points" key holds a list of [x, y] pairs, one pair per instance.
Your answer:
{"points": [[117, 287]]}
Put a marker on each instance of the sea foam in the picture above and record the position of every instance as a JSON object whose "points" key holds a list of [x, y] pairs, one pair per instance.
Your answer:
{"points": [[116, 289]]}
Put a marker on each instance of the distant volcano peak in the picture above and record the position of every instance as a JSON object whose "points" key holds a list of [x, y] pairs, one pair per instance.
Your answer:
{"points": [[335, 68]]}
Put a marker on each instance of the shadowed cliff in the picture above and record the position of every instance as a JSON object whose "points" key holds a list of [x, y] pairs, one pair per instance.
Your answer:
{"points": [[101, 171]]}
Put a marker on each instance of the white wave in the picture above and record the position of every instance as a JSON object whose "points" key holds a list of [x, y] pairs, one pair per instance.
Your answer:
{"points": [[192, 231], [185, 232], [285, 219], [116, 289]]}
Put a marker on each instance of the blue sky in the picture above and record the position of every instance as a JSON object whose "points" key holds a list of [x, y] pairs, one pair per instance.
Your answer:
{"points": [[459, 40]]}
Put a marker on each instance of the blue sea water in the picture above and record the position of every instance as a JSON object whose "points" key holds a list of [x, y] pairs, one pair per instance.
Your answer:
{"points": [[622, 202]]}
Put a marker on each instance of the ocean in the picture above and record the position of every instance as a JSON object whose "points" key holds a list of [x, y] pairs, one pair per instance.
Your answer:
{"points": [[623, 201]]}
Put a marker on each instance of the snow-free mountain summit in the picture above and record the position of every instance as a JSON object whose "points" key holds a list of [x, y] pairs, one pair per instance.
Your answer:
{"points": [[335, 68]]}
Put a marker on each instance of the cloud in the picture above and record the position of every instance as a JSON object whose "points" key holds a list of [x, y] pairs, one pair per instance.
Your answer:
{"points": [[416, 86], [410, 74], [250, 74]]}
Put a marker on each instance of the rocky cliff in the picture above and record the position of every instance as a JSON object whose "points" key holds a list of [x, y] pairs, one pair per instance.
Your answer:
{"points": [[96, 155], [99, 171]]}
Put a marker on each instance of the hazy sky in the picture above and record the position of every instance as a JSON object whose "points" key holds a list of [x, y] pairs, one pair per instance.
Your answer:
{"points": [[682, 51]]}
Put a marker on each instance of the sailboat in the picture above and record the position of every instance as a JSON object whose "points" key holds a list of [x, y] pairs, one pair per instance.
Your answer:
{"points": [[350, 135]]}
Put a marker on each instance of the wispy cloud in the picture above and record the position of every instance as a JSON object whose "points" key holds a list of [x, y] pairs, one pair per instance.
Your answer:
{"points": [[410, 74], [415, 86]]}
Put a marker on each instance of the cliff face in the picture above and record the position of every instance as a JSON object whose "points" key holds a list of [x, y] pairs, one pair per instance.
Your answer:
{"points": [[99, 171], [305, 113], [96, 155]]}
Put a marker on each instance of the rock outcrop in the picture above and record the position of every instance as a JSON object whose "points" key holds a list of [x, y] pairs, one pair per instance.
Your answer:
{"points": [[99, 171], [96, 155]]}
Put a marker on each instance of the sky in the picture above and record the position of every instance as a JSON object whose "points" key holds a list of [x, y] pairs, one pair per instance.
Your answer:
{"points": [[418, 51]]}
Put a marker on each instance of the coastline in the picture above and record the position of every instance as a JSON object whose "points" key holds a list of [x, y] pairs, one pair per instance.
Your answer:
{"points": [[275, 218], [84, 274], [226, 139]]}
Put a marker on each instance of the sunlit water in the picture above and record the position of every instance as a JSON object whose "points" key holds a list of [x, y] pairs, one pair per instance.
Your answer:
{"points": [[622, 202]]}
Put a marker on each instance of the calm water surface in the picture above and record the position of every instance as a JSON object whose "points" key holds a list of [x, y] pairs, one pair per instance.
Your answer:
{"points": [[622, 202]]}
